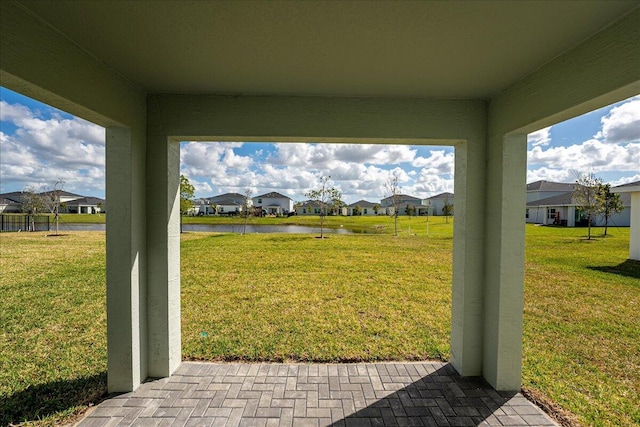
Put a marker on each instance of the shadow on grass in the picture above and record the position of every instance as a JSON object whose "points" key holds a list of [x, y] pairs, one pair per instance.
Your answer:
{"points": [[629, 268], [43, 400]]}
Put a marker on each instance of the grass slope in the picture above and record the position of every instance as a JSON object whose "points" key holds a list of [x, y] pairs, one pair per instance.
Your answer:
{"points": [[296, 297]]}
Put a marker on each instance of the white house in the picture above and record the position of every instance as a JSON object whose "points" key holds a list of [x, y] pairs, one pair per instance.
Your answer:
{"points": [[552, 203], [437, 203], [542, 189], [632, 189], [85, 205], [69, 203], [366, 208], [274, 203]]}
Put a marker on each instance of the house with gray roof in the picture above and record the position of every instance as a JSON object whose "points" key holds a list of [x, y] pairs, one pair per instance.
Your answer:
{"points": [[552, 203], [310, 207], [274, 203], [366, 208], [85, 205], [437, 202], [11, 202]]}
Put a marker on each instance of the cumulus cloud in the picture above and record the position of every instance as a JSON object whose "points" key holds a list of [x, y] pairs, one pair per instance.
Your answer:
{"points": [[541, 137], [42, 150], [622, 124], [626, 180], [438, 163], [593, 155]]}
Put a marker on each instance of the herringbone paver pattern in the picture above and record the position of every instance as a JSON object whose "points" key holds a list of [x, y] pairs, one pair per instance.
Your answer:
{"points": [[363, 394]]}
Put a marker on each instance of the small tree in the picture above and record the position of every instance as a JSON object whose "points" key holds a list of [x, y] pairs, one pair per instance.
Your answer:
{"points": [[585, 195], [410, 210], [447, 210], [326, 196], [32, 203], [357, 210], [186, 194], [336, 205], [376, 208], [393, 193], [608, 203], [247, 209], [51, 200]]}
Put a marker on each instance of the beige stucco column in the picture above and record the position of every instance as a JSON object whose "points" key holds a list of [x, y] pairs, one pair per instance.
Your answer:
{"points": [[468, 249], [163, 260], [634, 232], [504, 261], [126, 290]]}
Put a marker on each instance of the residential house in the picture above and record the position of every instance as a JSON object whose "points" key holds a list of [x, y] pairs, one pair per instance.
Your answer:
{"points": [[402, 200], [542, 189], [309, 207], [366, 208], [274, 203], [69, 203], [85, 205], [436, 203], [223, 204], [11, 202], [552, 203], [633, 190]]}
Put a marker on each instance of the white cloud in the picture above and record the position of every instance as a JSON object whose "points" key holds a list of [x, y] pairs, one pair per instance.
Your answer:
{"points": [[541, 137], [622, 124], [626, 180], [42, 151], [592, 155], [438, 163]]}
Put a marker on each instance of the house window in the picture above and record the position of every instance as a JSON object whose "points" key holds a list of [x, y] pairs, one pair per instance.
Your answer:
{"points": [[527, 214], [221, 208], [365, 211], [551, 213], [259, 200], [304, 211]]}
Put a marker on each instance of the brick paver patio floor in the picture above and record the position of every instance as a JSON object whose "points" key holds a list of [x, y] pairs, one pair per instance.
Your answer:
{"points": [[359, 394]]}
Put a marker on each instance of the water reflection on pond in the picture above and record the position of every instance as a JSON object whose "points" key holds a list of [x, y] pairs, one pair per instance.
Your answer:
{"points": [[227, 228]]}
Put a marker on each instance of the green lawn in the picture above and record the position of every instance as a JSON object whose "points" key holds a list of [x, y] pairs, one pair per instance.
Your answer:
{"points": [[345, 298]]}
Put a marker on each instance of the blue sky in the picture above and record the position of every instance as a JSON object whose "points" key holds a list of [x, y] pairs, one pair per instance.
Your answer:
{"points": [[40, 145]]}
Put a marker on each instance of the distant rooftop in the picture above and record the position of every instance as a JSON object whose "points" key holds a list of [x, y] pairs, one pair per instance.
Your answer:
{"points": [[550, 186]]}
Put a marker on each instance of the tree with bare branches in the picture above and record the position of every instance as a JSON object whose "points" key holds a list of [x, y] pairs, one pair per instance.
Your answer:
{"points": [[51, 200], [326, 196], [393, 193]]}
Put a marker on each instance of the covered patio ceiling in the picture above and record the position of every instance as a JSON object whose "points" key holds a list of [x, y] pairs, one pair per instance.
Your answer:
{"points": [[336, 48]]}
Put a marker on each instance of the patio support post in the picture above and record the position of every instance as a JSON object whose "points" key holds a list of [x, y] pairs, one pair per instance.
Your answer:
{"points": [[468, 249], [634, 236], [163, 261], [126, 299], [504, 261]]}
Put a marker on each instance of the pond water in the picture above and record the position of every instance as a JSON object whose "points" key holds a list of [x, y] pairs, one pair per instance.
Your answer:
{"points": [[223, 228]]}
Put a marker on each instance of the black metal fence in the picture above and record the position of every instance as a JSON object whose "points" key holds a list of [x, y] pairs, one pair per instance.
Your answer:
{"points": [[24, 223]]}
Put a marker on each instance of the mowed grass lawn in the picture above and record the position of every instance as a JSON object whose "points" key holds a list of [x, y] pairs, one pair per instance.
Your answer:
{"points": [[345, 298]]}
